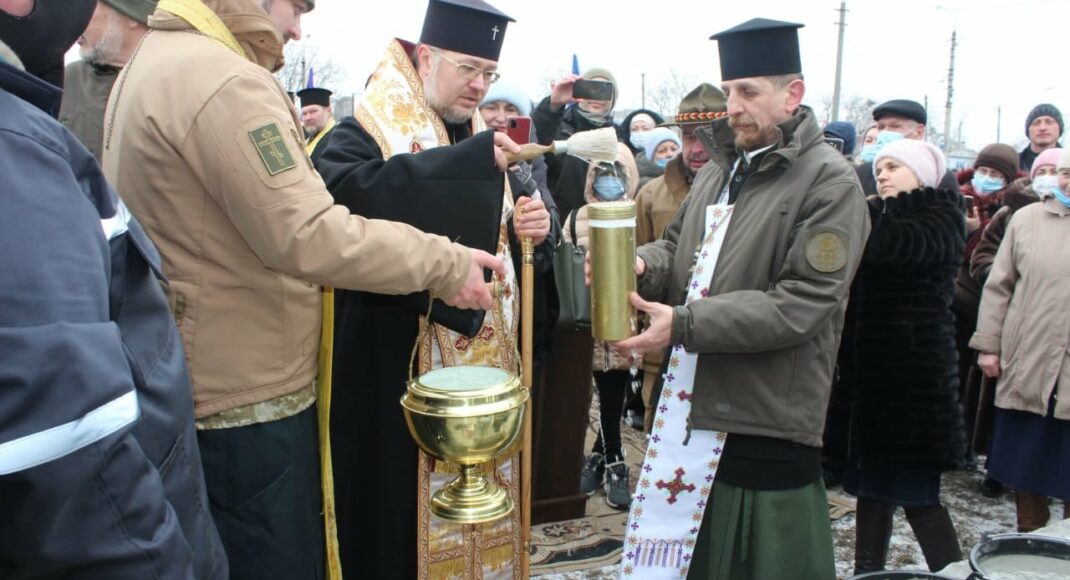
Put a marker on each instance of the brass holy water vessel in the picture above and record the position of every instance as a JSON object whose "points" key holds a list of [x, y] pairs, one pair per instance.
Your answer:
{"points": [[466, 415]]}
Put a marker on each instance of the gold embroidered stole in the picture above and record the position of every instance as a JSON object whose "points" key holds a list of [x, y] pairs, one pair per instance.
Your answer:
{"points": [[394, 111]]}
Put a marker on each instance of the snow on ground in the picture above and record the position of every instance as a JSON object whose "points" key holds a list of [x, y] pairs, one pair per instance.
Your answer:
{"points": [[974, 516]]}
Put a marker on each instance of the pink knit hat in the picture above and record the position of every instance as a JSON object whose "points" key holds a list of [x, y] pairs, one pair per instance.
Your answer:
{"points": [[924, 159], [1046, 157]]}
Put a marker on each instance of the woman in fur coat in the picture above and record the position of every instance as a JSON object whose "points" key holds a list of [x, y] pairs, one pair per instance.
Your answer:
{"points": [[906, 424]]}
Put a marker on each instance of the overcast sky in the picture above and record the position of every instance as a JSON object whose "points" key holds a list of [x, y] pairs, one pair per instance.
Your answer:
{"points": [[1010, 53]]}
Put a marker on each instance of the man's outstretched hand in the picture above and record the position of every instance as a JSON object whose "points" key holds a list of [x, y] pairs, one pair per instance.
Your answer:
{"points": [[657, 334], [475, 295]]}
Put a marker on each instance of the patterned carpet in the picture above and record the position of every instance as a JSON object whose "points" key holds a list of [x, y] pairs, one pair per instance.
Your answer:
{"points": [[590, 547]]}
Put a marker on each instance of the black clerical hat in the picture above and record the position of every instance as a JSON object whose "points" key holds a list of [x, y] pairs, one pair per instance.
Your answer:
{"points": [[759, 48], [470, 27], [315, 96]]}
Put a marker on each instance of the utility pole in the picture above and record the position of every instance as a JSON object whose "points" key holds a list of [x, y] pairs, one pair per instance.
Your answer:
{"points": [[950, 94], [999, 122], [839, 63], [643, 84]]}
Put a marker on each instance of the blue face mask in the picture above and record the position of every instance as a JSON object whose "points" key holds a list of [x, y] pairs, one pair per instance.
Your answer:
{"points": [[638, 140], [1061, 196], [1046, 184], [608, 188], [986, 185], [661, 162], [886, 137], [869, 153], [883, 139]]}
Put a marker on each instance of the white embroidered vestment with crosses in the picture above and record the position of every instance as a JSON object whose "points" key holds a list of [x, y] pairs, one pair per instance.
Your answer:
{"points": [[680, 465]]}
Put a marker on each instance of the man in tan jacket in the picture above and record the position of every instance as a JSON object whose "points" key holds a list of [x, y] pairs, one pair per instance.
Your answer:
{"points": [[657, 202], [204, 146]]}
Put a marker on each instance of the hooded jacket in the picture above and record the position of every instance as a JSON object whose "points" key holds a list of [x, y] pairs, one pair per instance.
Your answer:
{"points": [[605, 358], [206, 150]]}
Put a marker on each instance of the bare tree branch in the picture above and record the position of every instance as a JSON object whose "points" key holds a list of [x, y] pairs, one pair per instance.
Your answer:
{"points": [[300, 58], [664, 96]]}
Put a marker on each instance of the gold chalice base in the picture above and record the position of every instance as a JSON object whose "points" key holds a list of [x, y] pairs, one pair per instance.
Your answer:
{"points": [[471, 499], [466, 416]]}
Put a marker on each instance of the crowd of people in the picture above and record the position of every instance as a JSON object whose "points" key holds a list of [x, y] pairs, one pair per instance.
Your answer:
{"points": [[208, 281]]}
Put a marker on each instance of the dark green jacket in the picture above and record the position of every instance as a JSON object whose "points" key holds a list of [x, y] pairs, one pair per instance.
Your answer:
{"points": [[85, 95], [768, 333]]}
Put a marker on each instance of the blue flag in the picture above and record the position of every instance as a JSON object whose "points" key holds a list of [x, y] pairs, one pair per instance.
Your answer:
{"points": [[575, 64], [311, 79]]}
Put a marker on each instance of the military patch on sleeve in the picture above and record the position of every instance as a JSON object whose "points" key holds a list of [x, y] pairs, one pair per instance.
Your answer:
{"points": [[272, 149], [826, 252]]}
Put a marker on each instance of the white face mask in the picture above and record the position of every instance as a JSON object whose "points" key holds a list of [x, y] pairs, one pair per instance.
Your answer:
{"points": [[1046, 184]]}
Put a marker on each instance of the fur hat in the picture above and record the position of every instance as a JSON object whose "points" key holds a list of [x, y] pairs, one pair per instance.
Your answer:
{"points": [[1002, 158], [657, 137], [1044, 110], [503, 90], [1046, 157], [924, 159]]}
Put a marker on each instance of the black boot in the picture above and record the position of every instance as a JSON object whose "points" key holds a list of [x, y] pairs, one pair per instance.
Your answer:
{"points": [[873, 532], [936, 535]]}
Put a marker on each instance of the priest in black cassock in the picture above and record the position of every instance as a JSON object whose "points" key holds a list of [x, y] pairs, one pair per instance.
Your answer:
{"points": [[415, 151], [317, 119]]}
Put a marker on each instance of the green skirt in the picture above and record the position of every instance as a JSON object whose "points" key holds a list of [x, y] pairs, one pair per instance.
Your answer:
{"points": [[765, 535]]}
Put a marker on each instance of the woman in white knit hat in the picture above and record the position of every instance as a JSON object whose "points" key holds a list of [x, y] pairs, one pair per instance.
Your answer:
{"points": [[898, 362]]}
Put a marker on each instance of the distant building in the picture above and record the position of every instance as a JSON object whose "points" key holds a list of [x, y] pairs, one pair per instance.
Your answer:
{"points": [[342, 107], [961, 159]]}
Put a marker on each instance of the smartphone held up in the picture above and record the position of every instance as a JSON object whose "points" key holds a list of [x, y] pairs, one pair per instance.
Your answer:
{"points": [[592, 90]]}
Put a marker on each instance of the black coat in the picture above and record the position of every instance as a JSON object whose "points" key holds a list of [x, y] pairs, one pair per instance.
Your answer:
{"points": [[567, 174], [901, 371], [320, 147]]}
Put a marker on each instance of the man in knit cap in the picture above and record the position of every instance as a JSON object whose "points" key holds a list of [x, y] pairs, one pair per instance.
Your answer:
{"points": [[114, 31], [844, 135], [1044, 126]]}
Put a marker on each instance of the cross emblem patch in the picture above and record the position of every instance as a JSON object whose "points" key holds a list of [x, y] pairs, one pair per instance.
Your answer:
{"points": [[272, 149], [676, 486]]}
